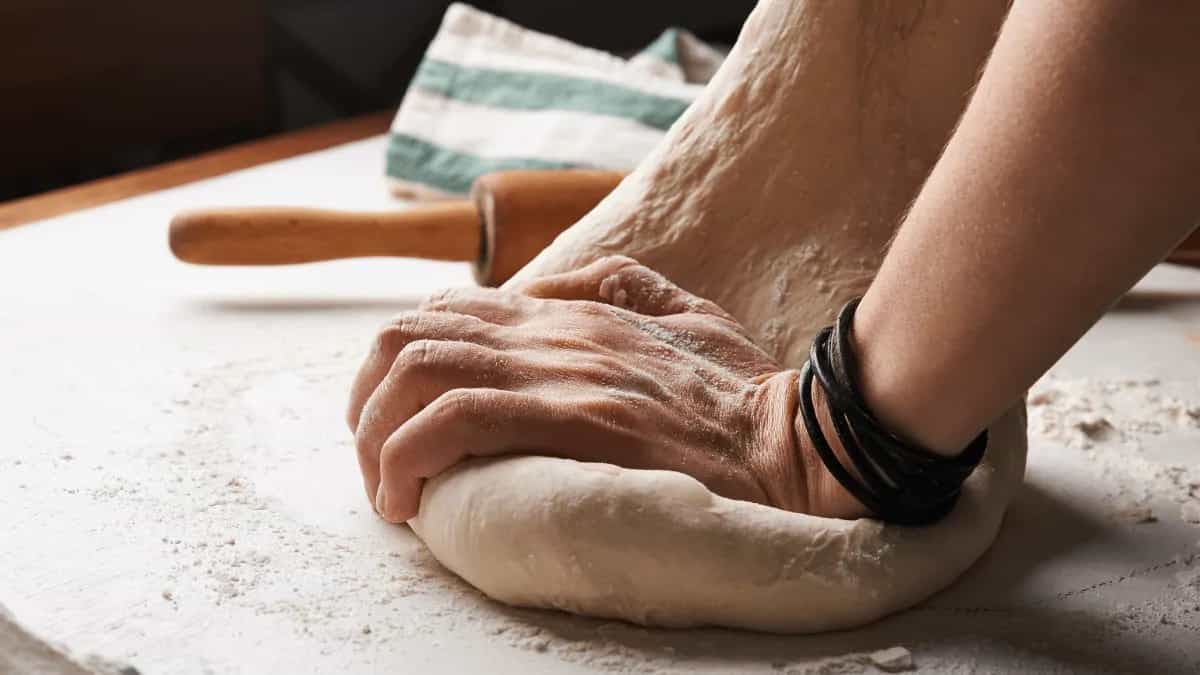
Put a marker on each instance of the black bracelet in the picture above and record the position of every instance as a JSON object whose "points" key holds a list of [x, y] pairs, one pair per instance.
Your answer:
{"points": [[899, 482]]}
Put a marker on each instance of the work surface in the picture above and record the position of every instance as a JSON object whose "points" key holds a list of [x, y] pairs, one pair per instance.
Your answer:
{"points": [[179, 490]]}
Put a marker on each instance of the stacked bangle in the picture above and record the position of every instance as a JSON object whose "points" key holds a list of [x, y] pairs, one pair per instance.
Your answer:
{"points": [[900, 482]]}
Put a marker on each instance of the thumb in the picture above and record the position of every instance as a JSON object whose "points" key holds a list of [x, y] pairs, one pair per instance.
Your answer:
{"points": [[621, 281]]}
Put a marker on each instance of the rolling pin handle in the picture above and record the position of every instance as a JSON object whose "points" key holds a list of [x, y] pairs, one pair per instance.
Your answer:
{"points": [[523, 211]]}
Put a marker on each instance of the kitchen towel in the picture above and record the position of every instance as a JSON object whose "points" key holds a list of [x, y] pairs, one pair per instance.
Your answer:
{"points": [[490, 95]]}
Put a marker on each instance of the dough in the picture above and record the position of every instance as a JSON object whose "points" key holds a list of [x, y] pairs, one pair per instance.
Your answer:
{"points": [[658, 548], [24, 653]]}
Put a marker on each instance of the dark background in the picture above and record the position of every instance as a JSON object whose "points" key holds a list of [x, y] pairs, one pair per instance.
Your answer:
{"points": [[91, 88]]}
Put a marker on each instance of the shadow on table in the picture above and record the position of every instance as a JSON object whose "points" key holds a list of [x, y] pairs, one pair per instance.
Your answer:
{"points": [[1150, 301], [1038, 527]]}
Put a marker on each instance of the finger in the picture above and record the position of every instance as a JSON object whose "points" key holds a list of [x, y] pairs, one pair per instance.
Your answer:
{"points": [[622, 282], [476, 422], [421, 372], [578, 284], [489, 304], [409, 327]]}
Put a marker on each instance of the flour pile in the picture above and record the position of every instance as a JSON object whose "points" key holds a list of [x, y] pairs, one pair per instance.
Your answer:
{"points": [[1116, 424]]}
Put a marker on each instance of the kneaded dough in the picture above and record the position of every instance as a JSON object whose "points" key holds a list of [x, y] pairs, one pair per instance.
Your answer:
{"points": [[658, 548]]}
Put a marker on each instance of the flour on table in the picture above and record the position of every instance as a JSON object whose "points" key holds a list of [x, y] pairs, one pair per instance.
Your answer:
{"points": [[1111, 422], [1082, 412], [890, 660]]}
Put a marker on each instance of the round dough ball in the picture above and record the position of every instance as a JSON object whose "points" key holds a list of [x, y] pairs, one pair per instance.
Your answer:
{"points": [[658, 548]]}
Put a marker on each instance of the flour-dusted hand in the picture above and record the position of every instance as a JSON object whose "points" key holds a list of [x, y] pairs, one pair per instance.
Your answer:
{"points": [[610, 363]]}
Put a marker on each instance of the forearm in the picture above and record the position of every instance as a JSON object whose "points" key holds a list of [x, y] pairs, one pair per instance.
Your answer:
{"points": [[1074, 170], [777, 192]]}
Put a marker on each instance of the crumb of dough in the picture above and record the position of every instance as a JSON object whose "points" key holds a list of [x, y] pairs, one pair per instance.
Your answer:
{"points": [[892, 659]]}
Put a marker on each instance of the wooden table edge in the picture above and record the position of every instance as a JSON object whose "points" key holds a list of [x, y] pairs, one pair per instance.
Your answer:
{"points": [[207, 165]]}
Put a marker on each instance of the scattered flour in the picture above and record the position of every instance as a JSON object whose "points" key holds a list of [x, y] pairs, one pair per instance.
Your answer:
{"points": [[1111, 422], [1190, 511], [343, 591], [1082, 412], [891, 660]]}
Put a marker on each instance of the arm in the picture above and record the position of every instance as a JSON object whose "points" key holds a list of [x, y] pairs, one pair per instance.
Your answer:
{"points": [[1012, 250], [1075, 168]]}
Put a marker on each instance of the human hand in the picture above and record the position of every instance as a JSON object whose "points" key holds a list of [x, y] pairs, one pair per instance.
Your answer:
{"points": [[609, 363]]}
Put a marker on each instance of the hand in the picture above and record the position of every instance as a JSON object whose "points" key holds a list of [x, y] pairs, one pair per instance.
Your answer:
{"points": [[609, 363]]}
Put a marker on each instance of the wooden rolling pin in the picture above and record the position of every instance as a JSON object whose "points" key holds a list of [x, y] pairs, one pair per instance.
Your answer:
{"points": [[510, 217]]}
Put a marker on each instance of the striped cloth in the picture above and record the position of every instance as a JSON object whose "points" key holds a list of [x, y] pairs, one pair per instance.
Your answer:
{"points": [[490, 95]]}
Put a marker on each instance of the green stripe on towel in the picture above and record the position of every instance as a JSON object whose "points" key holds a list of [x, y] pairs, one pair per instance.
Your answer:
{"points": [[543, 91], [412, 159]]}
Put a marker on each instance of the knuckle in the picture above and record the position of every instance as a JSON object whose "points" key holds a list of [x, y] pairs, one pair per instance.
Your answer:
{"points": [[439, 300], [367, 441], [456, 405], [398, 332], [418, 356], [363, 445], [389, 453]]}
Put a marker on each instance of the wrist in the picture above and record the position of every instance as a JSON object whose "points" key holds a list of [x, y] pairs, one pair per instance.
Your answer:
{"points": [[778, 459], [900, 386], [823, 494]]}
